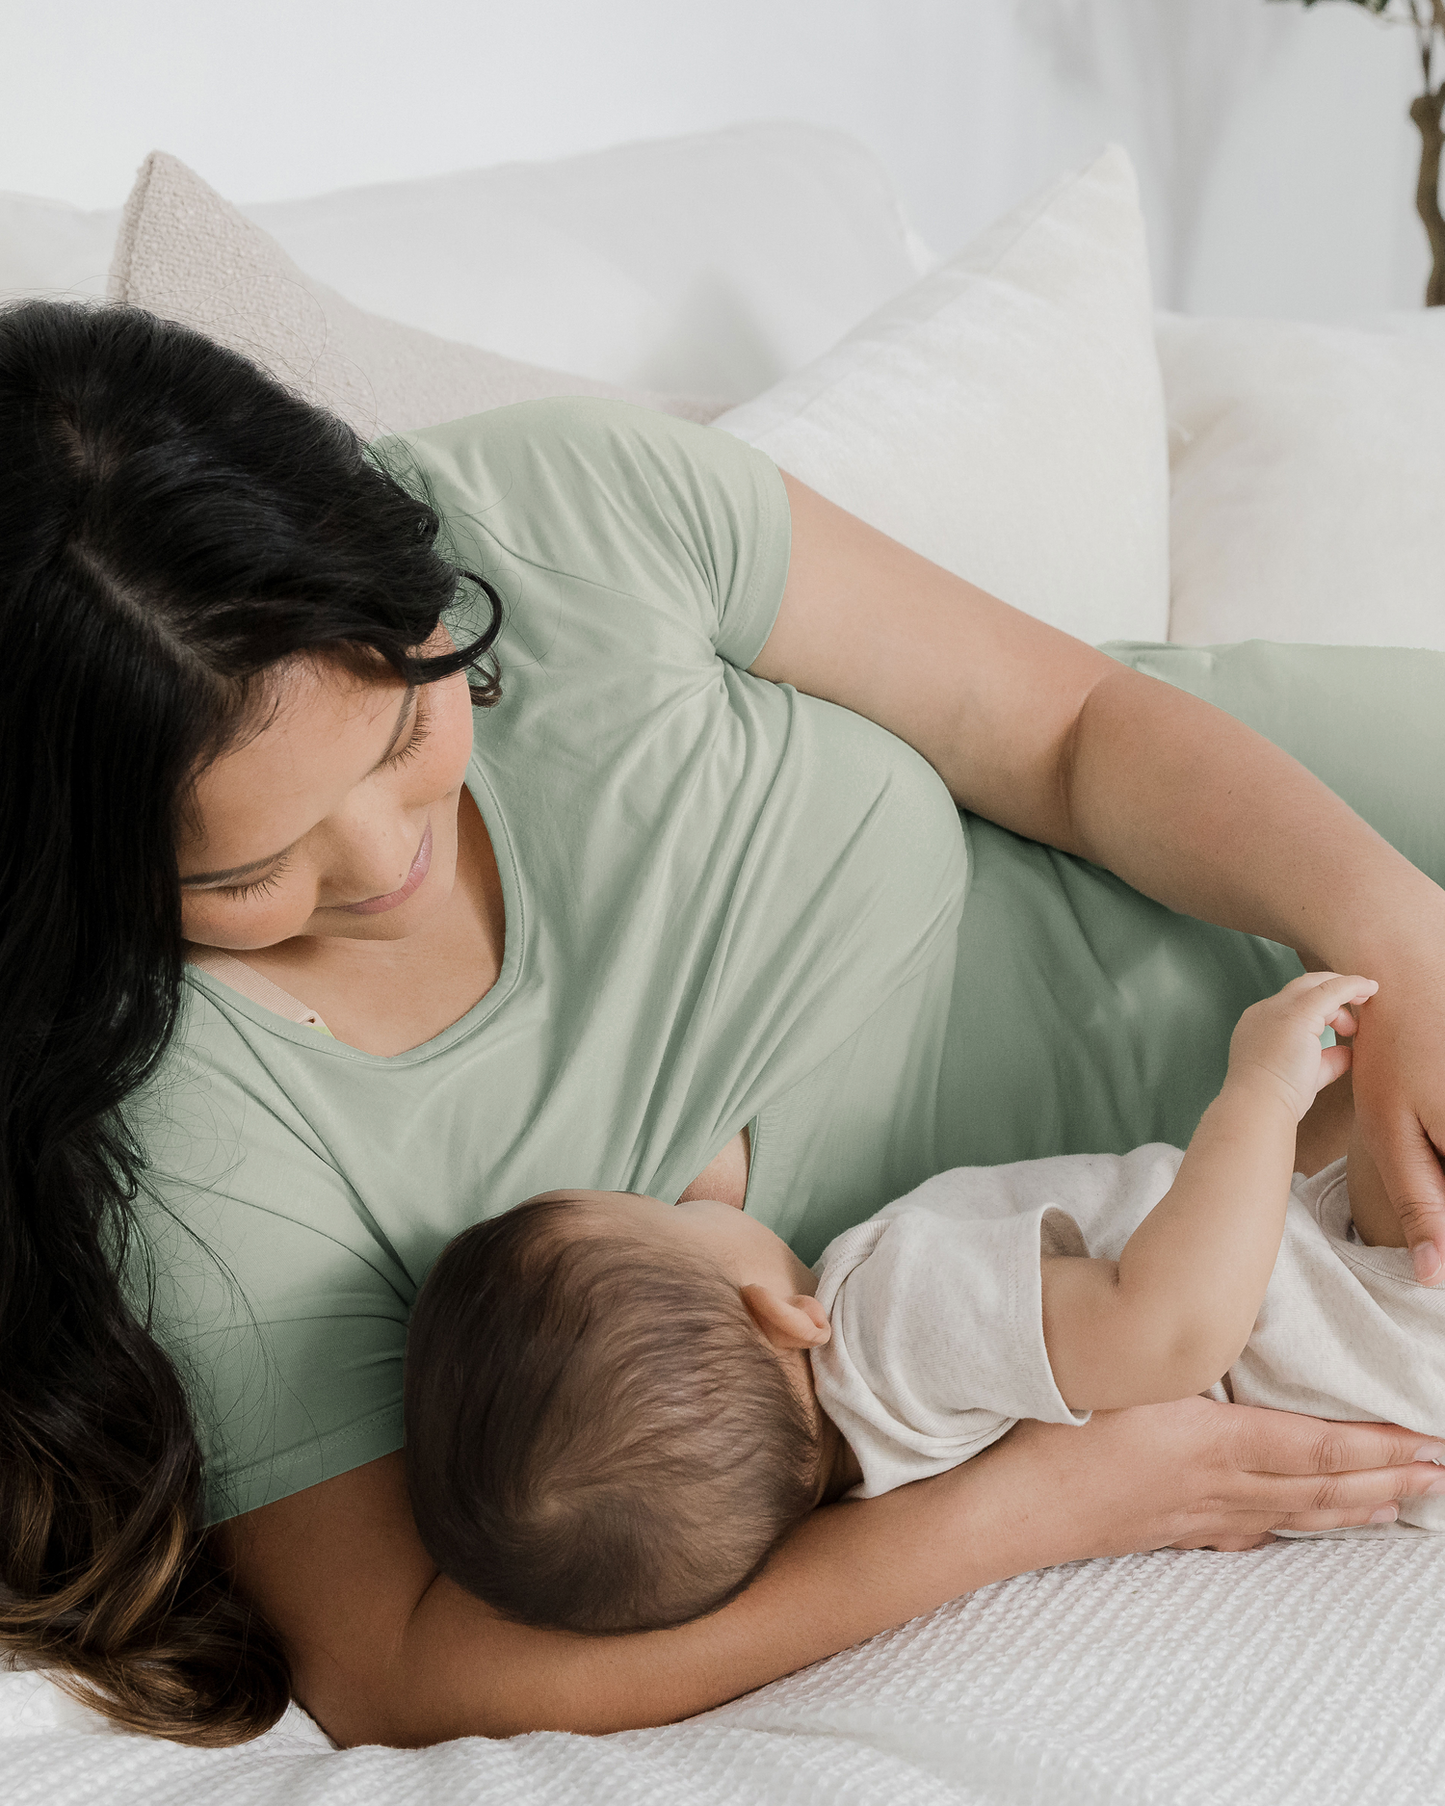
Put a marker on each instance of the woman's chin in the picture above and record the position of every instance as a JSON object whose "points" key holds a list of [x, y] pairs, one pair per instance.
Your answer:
{"points": [[401, 920]]}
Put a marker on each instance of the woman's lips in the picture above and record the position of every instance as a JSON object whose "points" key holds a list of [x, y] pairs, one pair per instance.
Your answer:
{"points": [[420, 866]]}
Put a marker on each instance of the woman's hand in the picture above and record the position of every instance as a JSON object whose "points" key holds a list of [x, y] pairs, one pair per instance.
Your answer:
{"points": [[1200, 1475], [1399, 1092]]}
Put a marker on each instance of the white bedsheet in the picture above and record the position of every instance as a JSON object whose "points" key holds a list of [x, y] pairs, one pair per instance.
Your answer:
{"points": [[1310, 1672]]}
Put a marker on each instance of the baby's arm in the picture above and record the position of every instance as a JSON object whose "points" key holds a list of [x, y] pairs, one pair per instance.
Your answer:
{"points": [[1177, 1307]]}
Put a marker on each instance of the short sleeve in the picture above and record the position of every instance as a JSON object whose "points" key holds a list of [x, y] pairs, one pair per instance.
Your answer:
{"points": [[261, 1276], [938, 1345], [636, 503]]}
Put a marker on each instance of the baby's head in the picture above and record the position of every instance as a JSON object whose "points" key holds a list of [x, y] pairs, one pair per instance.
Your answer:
{"points": [[610, 1421]]}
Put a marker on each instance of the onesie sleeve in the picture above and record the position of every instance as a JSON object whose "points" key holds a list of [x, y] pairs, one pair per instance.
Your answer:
{"points": [[648, 509], [938, 1343]]}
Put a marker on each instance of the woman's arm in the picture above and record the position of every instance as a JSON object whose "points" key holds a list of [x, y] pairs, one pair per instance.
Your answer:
{"points": [[1056, 741], [385, 1651]]}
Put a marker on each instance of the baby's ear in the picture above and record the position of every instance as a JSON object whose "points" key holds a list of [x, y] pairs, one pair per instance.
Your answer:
{"points": [[796, 1322]]}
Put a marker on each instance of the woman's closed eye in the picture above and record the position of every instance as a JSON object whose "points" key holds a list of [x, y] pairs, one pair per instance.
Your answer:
{"points": [[420, 728], [253, 887]]}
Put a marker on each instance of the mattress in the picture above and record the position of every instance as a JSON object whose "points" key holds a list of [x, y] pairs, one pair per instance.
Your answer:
{"points": [[1303, 1671]]}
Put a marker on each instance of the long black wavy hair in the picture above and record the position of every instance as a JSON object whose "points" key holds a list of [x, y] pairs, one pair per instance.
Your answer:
{"points": [[173, 525]]}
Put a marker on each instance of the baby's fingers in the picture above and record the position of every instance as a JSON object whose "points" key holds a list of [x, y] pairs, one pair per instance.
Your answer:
{"points": [[1331, 991], [1326, 995]]}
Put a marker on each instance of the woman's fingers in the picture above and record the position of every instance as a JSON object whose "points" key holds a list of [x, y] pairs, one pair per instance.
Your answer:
{"points": [[1314, 1502], [1410, 1170], [1229, 1545], [1287, 1443], [1311, 1470], [1335, 1502], [1399, 1088], [1339, 1520], [1352, 1497], [1329, 1476]]}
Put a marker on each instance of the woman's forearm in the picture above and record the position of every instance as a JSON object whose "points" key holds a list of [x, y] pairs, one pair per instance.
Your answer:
{"points": [[384, 1651], [850, 1571], [1197, 810], [1193, 808], [1191, 1471], [1060, 743], [381, 1653]]}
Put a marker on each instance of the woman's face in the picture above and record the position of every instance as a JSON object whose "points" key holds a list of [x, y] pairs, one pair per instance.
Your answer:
{"points": [[337, 819]]}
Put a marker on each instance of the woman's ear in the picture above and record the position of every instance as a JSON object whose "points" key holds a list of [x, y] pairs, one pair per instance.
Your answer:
{"points": [[796, 1322]]}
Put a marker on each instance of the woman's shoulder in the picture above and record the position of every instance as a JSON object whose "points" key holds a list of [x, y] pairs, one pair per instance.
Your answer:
{"points": [[213, 1076], [535, 463], [593, 441], [544, 418], [578, 501]]}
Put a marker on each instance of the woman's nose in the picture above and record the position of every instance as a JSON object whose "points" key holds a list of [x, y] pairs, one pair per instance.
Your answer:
{"points": [[372, 858]]}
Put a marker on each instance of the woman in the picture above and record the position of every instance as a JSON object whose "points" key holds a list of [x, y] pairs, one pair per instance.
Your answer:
{"points": [[665, 917]]}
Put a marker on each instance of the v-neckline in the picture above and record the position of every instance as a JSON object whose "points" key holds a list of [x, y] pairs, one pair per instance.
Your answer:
{"points": [[236, 975]]}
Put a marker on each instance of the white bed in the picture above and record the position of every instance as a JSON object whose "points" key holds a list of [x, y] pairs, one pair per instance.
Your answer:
{"points": [[1306, 1673], [1297, 500]]}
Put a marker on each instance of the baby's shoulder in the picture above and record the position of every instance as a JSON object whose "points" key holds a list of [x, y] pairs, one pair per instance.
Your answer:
{"points": [[1066, 1180]]}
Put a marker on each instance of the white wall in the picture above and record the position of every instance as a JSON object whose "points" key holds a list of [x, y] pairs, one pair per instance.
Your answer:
{"points": [[1276, 160]]}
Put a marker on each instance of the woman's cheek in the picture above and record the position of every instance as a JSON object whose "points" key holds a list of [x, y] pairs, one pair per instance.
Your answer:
{"points": [[450, 742], [242, 927]]}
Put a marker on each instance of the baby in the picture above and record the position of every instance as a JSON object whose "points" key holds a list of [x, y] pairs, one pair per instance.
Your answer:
{"points": [[617, 1408]]}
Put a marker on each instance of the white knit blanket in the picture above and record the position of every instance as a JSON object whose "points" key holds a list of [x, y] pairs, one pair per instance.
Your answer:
{"points": [[1301, 1672]]}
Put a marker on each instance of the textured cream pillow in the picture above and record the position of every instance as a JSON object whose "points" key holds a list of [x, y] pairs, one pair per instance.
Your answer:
{"points": [[1004, 415], [188, 255], [1308, 480]]}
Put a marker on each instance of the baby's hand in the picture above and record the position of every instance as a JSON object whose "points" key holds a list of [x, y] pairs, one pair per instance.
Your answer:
{"points": [[1277, 1042]]}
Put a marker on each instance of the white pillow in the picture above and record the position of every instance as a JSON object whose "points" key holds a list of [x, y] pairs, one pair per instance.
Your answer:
{"points": [[710, 264], [185, 253], [1004, 415], [1308, 480], [51, 248]]}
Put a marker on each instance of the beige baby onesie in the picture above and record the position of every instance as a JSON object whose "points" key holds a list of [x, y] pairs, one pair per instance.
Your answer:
{"points": [[938, 1344]]}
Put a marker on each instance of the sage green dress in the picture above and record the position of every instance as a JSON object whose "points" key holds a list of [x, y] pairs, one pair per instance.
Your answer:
{"points": [[727, 903]]}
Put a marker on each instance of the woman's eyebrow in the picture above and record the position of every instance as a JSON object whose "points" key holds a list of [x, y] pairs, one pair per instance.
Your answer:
{"points": [[255, 865]]}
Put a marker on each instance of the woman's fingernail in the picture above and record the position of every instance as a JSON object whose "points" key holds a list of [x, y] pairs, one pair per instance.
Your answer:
{"points": [[1426, 1257], [1386, 1514], [1430, 1451], [1435, 1486]]}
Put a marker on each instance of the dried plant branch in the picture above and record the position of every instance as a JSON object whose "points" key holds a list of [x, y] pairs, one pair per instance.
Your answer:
{"points": [[1427, 20]]}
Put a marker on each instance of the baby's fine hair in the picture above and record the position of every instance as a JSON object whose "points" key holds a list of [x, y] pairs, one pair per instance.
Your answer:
{"points": [[597, 1436]]}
